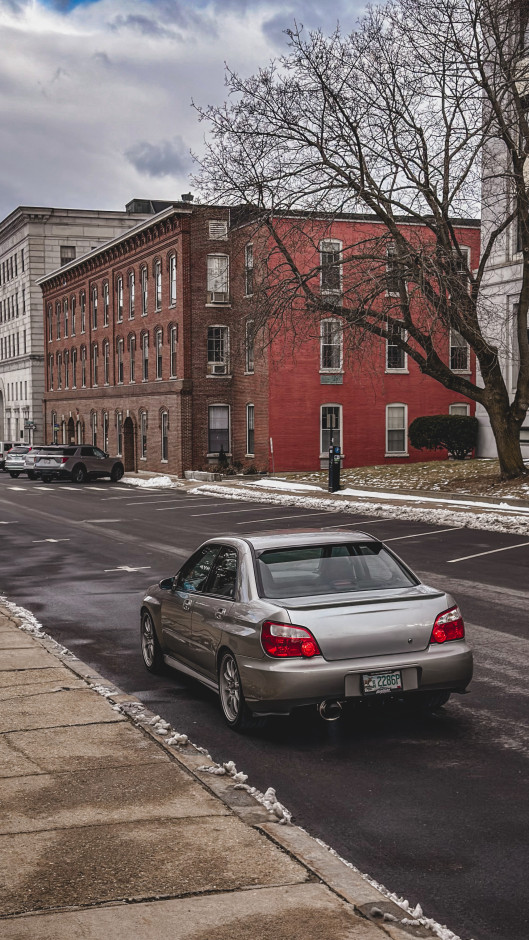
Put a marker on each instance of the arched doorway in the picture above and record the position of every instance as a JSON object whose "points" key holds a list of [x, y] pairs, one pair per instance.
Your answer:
{"points": [[129, 448], [71, 431]]}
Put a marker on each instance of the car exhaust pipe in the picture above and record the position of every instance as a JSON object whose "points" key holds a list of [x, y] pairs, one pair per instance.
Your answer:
{"points": [[330, 710]]}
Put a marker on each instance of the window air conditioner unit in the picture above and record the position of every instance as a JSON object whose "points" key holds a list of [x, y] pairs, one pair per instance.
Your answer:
{"points": [[217, 368], [217, 297]]}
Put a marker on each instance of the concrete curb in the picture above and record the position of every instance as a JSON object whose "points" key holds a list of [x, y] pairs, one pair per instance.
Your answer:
{"points": [[321, 862]]}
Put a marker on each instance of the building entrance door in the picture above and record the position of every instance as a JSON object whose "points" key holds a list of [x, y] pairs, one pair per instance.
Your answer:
{"points": [[71, 432], [129, 449]]}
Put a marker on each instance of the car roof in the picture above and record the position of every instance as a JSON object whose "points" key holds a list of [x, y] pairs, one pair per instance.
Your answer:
{"points": [[283, 538]]}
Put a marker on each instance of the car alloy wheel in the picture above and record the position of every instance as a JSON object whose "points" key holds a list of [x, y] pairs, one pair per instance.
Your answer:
{"points": [[79, 474], [234, 708], [150, 647]]}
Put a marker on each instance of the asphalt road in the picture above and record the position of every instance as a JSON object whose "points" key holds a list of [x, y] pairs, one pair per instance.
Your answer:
{"points": [[436, 808]]}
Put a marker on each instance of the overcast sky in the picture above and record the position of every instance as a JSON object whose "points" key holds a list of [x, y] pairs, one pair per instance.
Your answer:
{"points": [[95, 95]]}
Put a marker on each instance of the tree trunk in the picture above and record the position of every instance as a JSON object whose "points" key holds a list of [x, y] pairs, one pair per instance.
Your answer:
{"points": [[506, 430]]}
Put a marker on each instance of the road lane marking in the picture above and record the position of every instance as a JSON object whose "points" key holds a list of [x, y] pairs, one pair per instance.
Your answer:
{"points": [[100, 520], [18, 489], [304, 515], [50, 540], [179, 506], [398, 538], [127, 568], [493, 551], [225, 512], [12, 522]]}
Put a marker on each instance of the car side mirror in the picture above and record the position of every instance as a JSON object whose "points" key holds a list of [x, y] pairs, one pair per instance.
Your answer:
{"points": [[167, 584]]}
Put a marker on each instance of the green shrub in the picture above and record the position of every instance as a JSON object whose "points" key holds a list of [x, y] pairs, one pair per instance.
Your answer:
{"points": [[455, 433]]}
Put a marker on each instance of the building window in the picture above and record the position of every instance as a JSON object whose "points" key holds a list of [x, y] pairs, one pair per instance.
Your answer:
{"points": [[143, 435], [396, 359], [144, 292], [58, 318], [248, 270], [331, 345], [105, 431], [132, 358], [94, 308], [249, 345], [172, 280], [54, 428], [65, 315], [119, 291], [165, 435], [392, 270], [218, 229], [93, 424], [66, 369], [67, 254], [94, 364], [460, 409], [145, 357], [158, 285], [50, 324], [74, 368], [106, 362], [218, 350], [173, 340], [158, 342], [119, 432], [218, 279], [119, 348], [396, 430], [50, 373], [331, 266], [218, 429], [83, 366], [82, 305], [330, 427], [131, 295], [106, 304], [250, 426], [72, 307], [59, 370], [459, 352]]}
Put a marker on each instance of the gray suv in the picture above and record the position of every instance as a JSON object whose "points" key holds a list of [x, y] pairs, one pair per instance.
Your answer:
{"points": [[76, 462]]}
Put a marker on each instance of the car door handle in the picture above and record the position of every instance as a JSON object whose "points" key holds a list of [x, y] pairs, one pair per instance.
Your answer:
{"points": [[187, 604], [219, 613]]}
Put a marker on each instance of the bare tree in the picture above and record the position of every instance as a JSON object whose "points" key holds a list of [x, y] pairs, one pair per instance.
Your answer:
{"points": [[399, 121]]}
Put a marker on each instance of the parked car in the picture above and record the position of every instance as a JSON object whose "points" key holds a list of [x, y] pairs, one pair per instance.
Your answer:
{"points": [[76, 462], [276, 621], [5, 446], [15, 461]]}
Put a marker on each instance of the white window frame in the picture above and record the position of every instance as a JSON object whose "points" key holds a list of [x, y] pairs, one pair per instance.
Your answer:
{"points": [[215, 453], [82, 306], [218, 278], [339, 345], [455, 346], [143, 435], [250, 429], [218, 229], [404, 427], [324, 451], [218, 366], [144, 280], [132, 360], [145, 357], [120, 366], [459, 405], [95, 365], [132, 295], [106, 303], [94, 307], [119, 291], [173, 346], [249, 347], [158, 285], [164, 436], [65, 316], [72, 318], [158, 349], [403, 369], [391, 291], [248, 270], [106, 362], [331, 246], [172, 280]]}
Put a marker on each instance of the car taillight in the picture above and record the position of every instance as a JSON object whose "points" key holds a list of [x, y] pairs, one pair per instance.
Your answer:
{"points": [[448, 626], [64, 459], [283, 639]]}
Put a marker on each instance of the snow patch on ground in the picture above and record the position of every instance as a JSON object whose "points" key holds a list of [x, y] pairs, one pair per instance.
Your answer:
{"points": [[151, 483], [497, 519], [283, 485]]}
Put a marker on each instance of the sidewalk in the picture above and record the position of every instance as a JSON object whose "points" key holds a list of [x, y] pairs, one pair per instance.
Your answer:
{"points": [[108, 831]]}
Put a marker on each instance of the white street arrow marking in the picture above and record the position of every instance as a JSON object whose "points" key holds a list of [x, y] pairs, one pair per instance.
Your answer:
{"points": [[126, 568]]}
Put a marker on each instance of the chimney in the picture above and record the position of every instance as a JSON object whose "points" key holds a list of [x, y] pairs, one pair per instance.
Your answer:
{"points": [[187, 197]]}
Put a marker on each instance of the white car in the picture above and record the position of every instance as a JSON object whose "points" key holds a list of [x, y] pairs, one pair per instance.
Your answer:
{"points": [[15, 461]]}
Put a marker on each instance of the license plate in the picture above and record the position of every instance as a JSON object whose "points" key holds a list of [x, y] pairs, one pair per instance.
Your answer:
{"points": [[45, 460], [378, 683]]}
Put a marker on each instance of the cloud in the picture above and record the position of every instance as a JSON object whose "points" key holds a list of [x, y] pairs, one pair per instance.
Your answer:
{"points": [[166, 158]]}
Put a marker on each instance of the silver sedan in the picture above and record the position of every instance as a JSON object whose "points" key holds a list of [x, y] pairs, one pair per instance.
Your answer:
{"points": [[276, 621]]}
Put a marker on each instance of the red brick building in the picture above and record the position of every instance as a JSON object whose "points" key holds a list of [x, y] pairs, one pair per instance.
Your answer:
{"points": [[150, 353]]}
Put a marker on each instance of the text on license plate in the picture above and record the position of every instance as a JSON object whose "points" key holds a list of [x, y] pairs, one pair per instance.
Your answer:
{"points": [[380, 682]]}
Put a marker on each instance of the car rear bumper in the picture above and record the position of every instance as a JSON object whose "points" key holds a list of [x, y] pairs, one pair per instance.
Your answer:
{"points": [[278, 686]]}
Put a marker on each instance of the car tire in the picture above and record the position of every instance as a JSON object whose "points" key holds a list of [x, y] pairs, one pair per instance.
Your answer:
{"points": [[431, 701], [14, 474], [234, 708], [117, 472], [46, 478], [32, 475], [150, 647], [79, 474]]}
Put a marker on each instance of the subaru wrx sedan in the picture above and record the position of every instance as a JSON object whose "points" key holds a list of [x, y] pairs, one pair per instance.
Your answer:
{"points": [[276, 621]]}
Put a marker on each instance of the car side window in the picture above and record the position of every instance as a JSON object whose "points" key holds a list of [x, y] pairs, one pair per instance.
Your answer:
{"points": [[87, 451], [223, 578], [98, 453], [193, 576]]}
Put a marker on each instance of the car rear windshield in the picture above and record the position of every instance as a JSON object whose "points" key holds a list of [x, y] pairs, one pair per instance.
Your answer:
{"points": [[330, 569], [60, 451], [20, 450]]}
